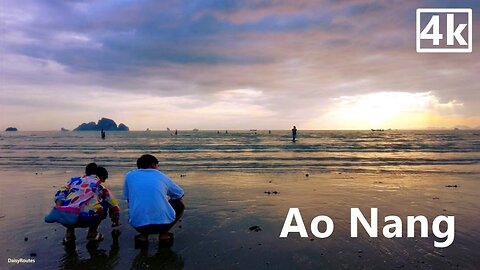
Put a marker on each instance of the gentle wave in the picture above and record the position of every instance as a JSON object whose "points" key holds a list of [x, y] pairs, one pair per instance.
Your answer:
{"points": [[438, 151]]}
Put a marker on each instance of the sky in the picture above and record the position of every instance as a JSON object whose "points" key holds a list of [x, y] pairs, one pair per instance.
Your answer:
{"points": [[231, 65]]}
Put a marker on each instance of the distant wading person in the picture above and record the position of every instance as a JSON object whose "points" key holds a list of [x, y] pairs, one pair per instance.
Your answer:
{"points": [[294, 133], [154, 200], [102, 133], [86, 199]]}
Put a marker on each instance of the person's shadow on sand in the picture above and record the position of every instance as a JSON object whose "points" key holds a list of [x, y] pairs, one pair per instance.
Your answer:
{"points": [[164, 258], [99, 258]]}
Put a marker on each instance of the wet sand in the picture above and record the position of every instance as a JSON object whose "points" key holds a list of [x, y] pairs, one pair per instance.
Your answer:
{"points": [[222, 206]]}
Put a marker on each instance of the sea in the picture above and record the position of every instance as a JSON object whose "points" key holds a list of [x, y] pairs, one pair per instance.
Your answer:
{"points": [[425, 151], [241, 180]]}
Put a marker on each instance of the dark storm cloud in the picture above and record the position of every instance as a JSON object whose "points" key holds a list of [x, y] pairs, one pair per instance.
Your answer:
{"points": [[130, 34]]}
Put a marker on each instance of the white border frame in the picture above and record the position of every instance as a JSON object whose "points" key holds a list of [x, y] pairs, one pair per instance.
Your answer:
{"points": [[445, 50]]}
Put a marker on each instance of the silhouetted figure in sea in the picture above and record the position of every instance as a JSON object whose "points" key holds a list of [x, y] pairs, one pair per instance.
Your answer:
{"points": [[176, 132], [269, 132], [226, 131], [294, 134], [102, 133]]}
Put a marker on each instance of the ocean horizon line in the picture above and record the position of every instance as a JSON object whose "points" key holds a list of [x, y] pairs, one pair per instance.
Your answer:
{"points": [[255, 130]]}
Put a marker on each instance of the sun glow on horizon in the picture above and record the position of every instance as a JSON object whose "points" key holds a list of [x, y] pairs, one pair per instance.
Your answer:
{"points": [[390, 110]]}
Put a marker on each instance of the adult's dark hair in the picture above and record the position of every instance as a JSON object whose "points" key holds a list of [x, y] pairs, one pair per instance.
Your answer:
{"points": [[91, 168], [146, 161], [102, 173]]}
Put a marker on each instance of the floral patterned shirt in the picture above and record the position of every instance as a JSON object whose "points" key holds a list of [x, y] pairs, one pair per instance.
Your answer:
{"points": [[87, 195]]}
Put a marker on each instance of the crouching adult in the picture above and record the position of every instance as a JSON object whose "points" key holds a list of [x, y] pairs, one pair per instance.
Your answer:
{"points": [[154, 200]]}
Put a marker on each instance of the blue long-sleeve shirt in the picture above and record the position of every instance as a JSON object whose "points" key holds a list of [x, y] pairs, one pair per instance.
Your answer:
{"points": [[147, 192]]}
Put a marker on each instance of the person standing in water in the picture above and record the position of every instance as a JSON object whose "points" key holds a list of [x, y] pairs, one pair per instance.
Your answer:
{"points": [[102, 133], [294, 133]]}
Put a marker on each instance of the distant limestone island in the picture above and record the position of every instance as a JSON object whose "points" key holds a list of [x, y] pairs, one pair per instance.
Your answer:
{"points": [[104, 123], [11, 129]]}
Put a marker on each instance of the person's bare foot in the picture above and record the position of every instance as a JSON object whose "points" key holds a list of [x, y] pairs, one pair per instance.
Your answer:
{"points": [[165, 239], [69, 236], [92, 233], [141, 237], [98, 237], [166, 236], [141, 241]]}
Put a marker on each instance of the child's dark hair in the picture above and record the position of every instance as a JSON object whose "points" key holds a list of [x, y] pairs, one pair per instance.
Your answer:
{"points": [[101, 173], [146, 161], [91, 168]]}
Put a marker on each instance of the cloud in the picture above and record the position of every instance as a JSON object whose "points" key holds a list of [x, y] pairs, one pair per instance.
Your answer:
{"points": [[269, 63]]}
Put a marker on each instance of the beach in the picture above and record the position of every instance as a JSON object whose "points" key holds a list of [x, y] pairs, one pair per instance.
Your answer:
{"points": [[225, 201], [301, 134]]}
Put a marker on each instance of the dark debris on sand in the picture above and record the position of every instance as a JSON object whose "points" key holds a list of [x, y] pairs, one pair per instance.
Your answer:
{"points": [[271, 192], [452, 186], [255, 228]]}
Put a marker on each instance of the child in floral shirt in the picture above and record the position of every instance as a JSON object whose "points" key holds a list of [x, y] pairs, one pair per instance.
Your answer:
{"points": [[87, 197]]}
